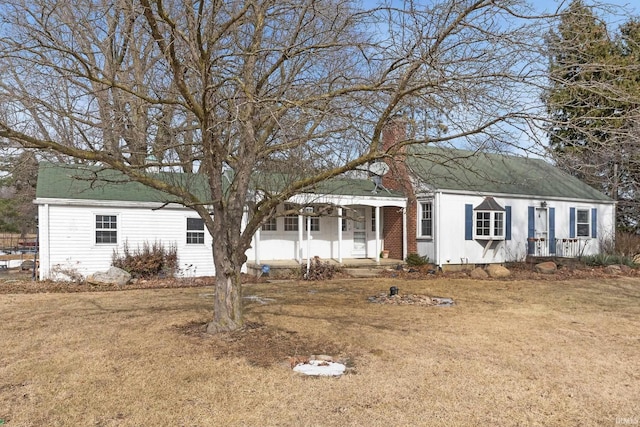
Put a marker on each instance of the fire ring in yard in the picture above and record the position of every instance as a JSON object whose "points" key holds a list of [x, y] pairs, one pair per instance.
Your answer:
{"points": [[411, 299]]}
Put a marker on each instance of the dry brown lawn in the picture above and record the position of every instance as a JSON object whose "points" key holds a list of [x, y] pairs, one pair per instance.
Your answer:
{"points": [[509, 353]]}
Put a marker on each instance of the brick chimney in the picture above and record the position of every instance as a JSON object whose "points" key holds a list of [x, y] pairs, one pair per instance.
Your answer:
{"points": [[394, 132]]}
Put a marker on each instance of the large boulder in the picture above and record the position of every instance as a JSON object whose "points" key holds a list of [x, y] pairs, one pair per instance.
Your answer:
{"points": [[113, 276], [548, 267], [498, 271], [478, 273]]}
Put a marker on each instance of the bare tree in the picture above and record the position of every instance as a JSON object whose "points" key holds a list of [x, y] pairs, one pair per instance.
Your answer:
{"points": [[303, 88]]}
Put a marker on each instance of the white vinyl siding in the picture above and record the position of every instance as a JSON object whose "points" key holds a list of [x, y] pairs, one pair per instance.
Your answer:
{"points": [[71, 238]]}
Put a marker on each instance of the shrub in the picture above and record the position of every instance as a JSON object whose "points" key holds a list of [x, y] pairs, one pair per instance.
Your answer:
{"points": [[68, 272], [601, 260], [627, 244], [416, 260], [149, 261], [318, 270]]}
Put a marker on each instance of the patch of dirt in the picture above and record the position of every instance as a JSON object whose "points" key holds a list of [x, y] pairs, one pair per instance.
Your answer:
{"points": [[259, 344], [16, 283]]}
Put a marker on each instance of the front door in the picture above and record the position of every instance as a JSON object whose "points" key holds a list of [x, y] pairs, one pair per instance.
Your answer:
{"points": [[542, 232], [359, 234]]}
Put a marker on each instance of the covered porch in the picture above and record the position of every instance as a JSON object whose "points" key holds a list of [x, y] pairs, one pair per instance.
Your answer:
{"points": [[340, 228]]}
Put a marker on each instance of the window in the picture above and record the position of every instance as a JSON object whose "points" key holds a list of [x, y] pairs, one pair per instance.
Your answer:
{"points": [[195, 231], [486, 221], [582, 223], [373, 219], [426, 219], [270, 225], [498, 224], [106, 229], [489, 225], [315, 224], [343, 220], [291, 220], [483, 223]]}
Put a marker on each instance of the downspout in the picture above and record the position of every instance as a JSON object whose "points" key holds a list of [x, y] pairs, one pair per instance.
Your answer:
{"points": [[340, 235], [404, 233], [378, 248], [436, 224], [44, 240]]}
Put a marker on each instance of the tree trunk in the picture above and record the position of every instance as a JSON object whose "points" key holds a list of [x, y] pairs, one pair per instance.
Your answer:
{"points": [[228, 258], [227, 303]]}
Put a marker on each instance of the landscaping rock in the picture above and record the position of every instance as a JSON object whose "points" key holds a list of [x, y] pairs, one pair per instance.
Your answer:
{"points": [[625, 268], [478, 273], [613, 269], [498, 271], [548, 267], [27, 265], [113, 276]]}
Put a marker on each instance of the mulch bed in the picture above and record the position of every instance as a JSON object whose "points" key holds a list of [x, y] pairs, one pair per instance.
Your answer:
{"points": [[21, 282]]}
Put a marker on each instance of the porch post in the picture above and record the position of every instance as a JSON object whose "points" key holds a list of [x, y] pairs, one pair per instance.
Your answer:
{"points": [[404, 233], [377, 210], [257, 244], [300, 228], [340, 235]]}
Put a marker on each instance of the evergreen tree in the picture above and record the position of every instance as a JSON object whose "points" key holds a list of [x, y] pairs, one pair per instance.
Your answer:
{"points": [[592, 103]]}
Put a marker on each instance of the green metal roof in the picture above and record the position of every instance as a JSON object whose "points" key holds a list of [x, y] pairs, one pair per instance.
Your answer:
{"points": [[488, 173], [438, 168], [60, 181]]}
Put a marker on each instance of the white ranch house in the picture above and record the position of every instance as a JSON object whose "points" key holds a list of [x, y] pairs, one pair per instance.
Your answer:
{"points": [[472, 209]]}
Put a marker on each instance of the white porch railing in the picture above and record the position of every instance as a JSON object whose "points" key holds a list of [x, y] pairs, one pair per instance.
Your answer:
{"points": [[564, 247]]}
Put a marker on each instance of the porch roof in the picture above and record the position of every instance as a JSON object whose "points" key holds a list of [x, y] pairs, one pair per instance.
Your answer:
{"points": [[348, 192]]}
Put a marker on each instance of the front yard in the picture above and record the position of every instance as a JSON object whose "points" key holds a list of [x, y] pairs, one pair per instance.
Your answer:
{"points": [[513, 352]]}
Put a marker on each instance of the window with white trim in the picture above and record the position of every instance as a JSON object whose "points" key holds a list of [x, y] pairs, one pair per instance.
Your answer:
{"points": [[489, 225], [270, 225], [195, 231], [583, 224], [373, 219], [291, 220], [106, 229], [426, 219]]}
